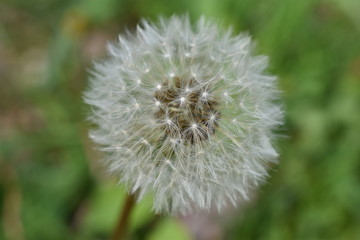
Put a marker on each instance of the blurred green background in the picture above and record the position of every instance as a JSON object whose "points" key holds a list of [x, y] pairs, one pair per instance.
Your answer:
{"points": [[51, 183]]}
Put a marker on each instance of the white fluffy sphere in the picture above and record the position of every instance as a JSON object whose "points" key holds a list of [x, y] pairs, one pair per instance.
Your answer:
{"points": [[185, 112]]}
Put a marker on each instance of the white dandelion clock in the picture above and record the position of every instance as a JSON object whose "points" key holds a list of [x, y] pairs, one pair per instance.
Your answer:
{"points": [[186, 113]]}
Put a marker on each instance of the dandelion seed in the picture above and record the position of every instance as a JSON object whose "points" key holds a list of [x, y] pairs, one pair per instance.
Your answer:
{"points": [[202, 131]]}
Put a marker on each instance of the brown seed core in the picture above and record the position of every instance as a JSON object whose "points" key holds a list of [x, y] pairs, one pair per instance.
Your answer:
{"points": [[186, 111]]}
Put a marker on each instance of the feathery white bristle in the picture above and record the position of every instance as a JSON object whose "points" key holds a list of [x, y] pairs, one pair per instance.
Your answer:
{"points": [[186, 113]]}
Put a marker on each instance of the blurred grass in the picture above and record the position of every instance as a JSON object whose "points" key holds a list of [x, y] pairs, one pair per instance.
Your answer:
{"points": [[51, 185]]}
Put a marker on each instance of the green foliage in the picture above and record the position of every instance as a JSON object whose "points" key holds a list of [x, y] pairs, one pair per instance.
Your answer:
{"points": [[169, 229], [51, 186]]}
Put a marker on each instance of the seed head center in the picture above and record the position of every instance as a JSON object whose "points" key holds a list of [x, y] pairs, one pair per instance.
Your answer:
{"points": [[186, 110]]}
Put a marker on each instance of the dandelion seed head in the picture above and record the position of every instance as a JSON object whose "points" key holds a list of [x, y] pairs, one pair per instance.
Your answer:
{"points": [[188, 117]]}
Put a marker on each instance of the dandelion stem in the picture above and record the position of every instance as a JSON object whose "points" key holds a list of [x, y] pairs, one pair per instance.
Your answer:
{"points": [[121, 227]]}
